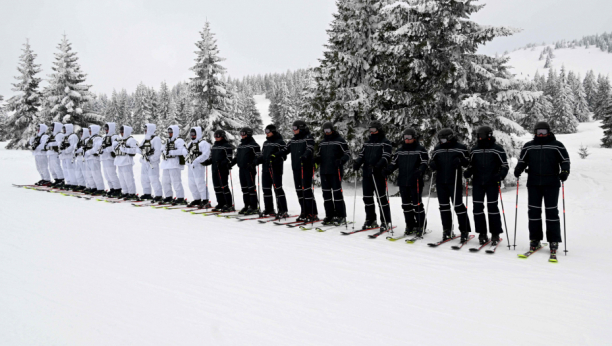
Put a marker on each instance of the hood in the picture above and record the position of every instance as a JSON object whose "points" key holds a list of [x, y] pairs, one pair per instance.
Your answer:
{"points": [[331, 136], [539, 141], [69, 129], [485, 143], [198, 131], [111, 128], [275, 136], [95, 129], [449, 143], [43, 128], [85, 133], [222, 142], [150, 131], [127, 131], [57, 128], [175, 132], [247, 139]]}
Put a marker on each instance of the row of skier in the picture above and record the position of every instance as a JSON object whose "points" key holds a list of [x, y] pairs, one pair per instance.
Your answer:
{"points": [[79, 161]]}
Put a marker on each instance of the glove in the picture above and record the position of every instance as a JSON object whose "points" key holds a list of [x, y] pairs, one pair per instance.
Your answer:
{"points": [[497, 178], [456, 163], [563, 175], [433, 166], [317, 160], [380, 165], [338, 163], [517, 173], [356, 165], [304, 158], [468, 173], [421, 172], [275, 159], [151, 152], [388, 170], [207, 163]]}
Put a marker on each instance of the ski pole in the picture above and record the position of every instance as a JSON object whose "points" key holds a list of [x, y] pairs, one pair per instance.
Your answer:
{"points": [[342, 192], [274, 184], [428, 200], [452, 200], [389, 204], [312, 202], [515, 213], [355, 201], [564, 226], [232, 184], [253, 182], [379, 202], [504, 213], [467, 202], [303, 204], [418, 202]]}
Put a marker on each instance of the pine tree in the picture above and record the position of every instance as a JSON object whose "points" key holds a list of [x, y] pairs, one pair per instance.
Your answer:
{"points": [[590, 88], [209, 89], [562, 119], [142, 111], [606, 141], [548, 63], [66, 95], [22, 123], [602, 97], [581, 105], [183, 110], [164, 106]]}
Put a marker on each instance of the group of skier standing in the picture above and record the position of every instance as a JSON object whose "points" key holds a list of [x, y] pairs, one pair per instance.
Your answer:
{"points": [[79, 161]]}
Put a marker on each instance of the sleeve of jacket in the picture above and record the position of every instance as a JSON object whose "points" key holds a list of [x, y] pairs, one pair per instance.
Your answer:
{"points": [[522, 160], [97, 143], [564, 158], [74, 141], [359, 158], [43, 142], [180, 148], [131, 147], [432, 161], [465, 156], [503, 170], [286, 150], [156, 144], [387, 151], [424, 159], [393, 165], [205, 149], [229, 153], [310, 146], [346, 151]]}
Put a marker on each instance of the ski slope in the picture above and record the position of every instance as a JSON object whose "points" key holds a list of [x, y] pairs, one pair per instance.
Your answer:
{"points": [[525, 62], [77, 272]]}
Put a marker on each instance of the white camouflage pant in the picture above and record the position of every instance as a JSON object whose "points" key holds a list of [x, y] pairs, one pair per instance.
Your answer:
{"points": [[110, 174], [149, 176], [171, 178], [197, 182], [126, 177], [42, 165]]}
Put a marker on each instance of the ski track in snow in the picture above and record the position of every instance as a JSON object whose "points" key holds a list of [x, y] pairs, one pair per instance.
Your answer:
{"points": [[76, 272]]}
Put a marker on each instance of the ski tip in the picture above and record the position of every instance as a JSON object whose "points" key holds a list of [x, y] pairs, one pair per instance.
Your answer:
{"points": [[522, 256], [320, 230], [473, 250], [490, 251], [553, 261], [454, 247]]}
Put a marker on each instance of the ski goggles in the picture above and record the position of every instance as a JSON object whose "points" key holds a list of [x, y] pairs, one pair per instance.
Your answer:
{"points": [[373, 130], [542, 132], [443, 140], [268, 131], [218, 136], [408, 137], [327, 131], [295, 128], [243, 133]]}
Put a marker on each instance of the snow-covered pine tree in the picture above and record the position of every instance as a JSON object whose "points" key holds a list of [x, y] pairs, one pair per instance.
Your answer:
{"points": [[209, 90], [67, 96], [142, 111], [21, 125], [590, 88], [602, 97], [606, 141], [581, 105], [251, 114], [563, 119], [548, 63], [164, 106], [183, 113]]}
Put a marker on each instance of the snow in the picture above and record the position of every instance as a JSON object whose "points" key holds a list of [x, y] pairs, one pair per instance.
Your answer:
{"points": [[78, 272], [525, 62]]}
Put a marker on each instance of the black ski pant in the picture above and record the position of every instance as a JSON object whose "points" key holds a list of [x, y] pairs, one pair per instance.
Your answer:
{"points": [[302, 179], [550, 195], [491, 191], [247, 183], [332, 196], [412, 203], [222, 189], [369, 189], [272, 178], [445, 196]]}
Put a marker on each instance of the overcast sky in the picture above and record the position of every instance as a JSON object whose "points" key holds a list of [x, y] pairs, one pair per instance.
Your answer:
{"points": [[123, 42]]}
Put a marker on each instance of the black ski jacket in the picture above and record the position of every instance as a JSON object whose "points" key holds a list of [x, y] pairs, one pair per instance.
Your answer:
{"points": [[247, 152], [221, 155], [411, 159], [447, 160], [301, 144], [545, 158], [488, 163], [375, 152], [333, 147], [274, 145]]}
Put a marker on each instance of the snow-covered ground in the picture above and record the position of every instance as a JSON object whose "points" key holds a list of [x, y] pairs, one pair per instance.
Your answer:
{"points": [[525, 62], [77, 272]]}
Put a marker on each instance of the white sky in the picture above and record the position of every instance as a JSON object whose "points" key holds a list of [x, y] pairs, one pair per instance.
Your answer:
{"points": [[123, 42]]}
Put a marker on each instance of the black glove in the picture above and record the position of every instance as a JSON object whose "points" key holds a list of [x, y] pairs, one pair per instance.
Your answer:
{"points": [[468, 173], [304, 158], [207, 163], [563, 175], [433, 166], [517, 173], [388, 170], [497, 178], [456, 163], [380, 165], [317, 160], [338, 163], [231, 164], [421, 172]]}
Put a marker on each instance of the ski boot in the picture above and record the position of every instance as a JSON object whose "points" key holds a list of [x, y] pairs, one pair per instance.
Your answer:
{"points": [[157, 200], [46, 183], [97, 193], [195, 203], [482, 238], [384, 227], [327, 221], [302, 218], [418, 232], [243, 211], [38, 183], [268, 212], [251, 211], [58, 183], [465, 236], [179, 201], [218, 208], [338, 220], [554, 246], [205, 204], [534, 245], [146, 197], [123, 196], [369, 224], [312, 218], [447, 234], [494, 239], [132, 197], [282, 215], [167, 200], [409, 231], [228, 208]]}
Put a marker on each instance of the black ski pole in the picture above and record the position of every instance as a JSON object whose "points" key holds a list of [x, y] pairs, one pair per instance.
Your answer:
{"points": [[564, 226], [515, 213], [504, 213]]}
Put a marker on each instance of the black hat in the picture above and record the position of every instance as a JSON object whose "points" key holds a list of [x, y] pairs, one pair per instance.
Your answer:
{"points": [[376, 125], [300, 124], [247, 131], [220, 133], [271, 128], [446, 133], [328, 125], [193, 132], [484, 131], [541, 125], [410, 131]]}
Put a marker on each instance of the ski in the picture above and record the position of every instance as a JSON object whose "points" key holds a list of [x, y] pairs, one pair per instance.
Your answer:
{"points": [[195, 210], [225, 214], [391, 238], [378, 234], [443, 241], [182, 206], [327, 228], [359, 231], [255, 218], [476, 249], [489, 251], [279, 223], [275, 220], [143, 203], [529, 253], [458, 247], [553, 258]]}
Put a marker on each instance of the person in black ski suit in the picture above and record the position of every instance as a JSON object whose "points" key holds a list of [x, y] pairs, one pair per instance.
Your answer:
{"points": [[411, 159], [332, 155], [547, 163], [220, 157], [488, 166], [375, 156], [301, 147], [447, 160], [272, 162], [247, 153]]}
